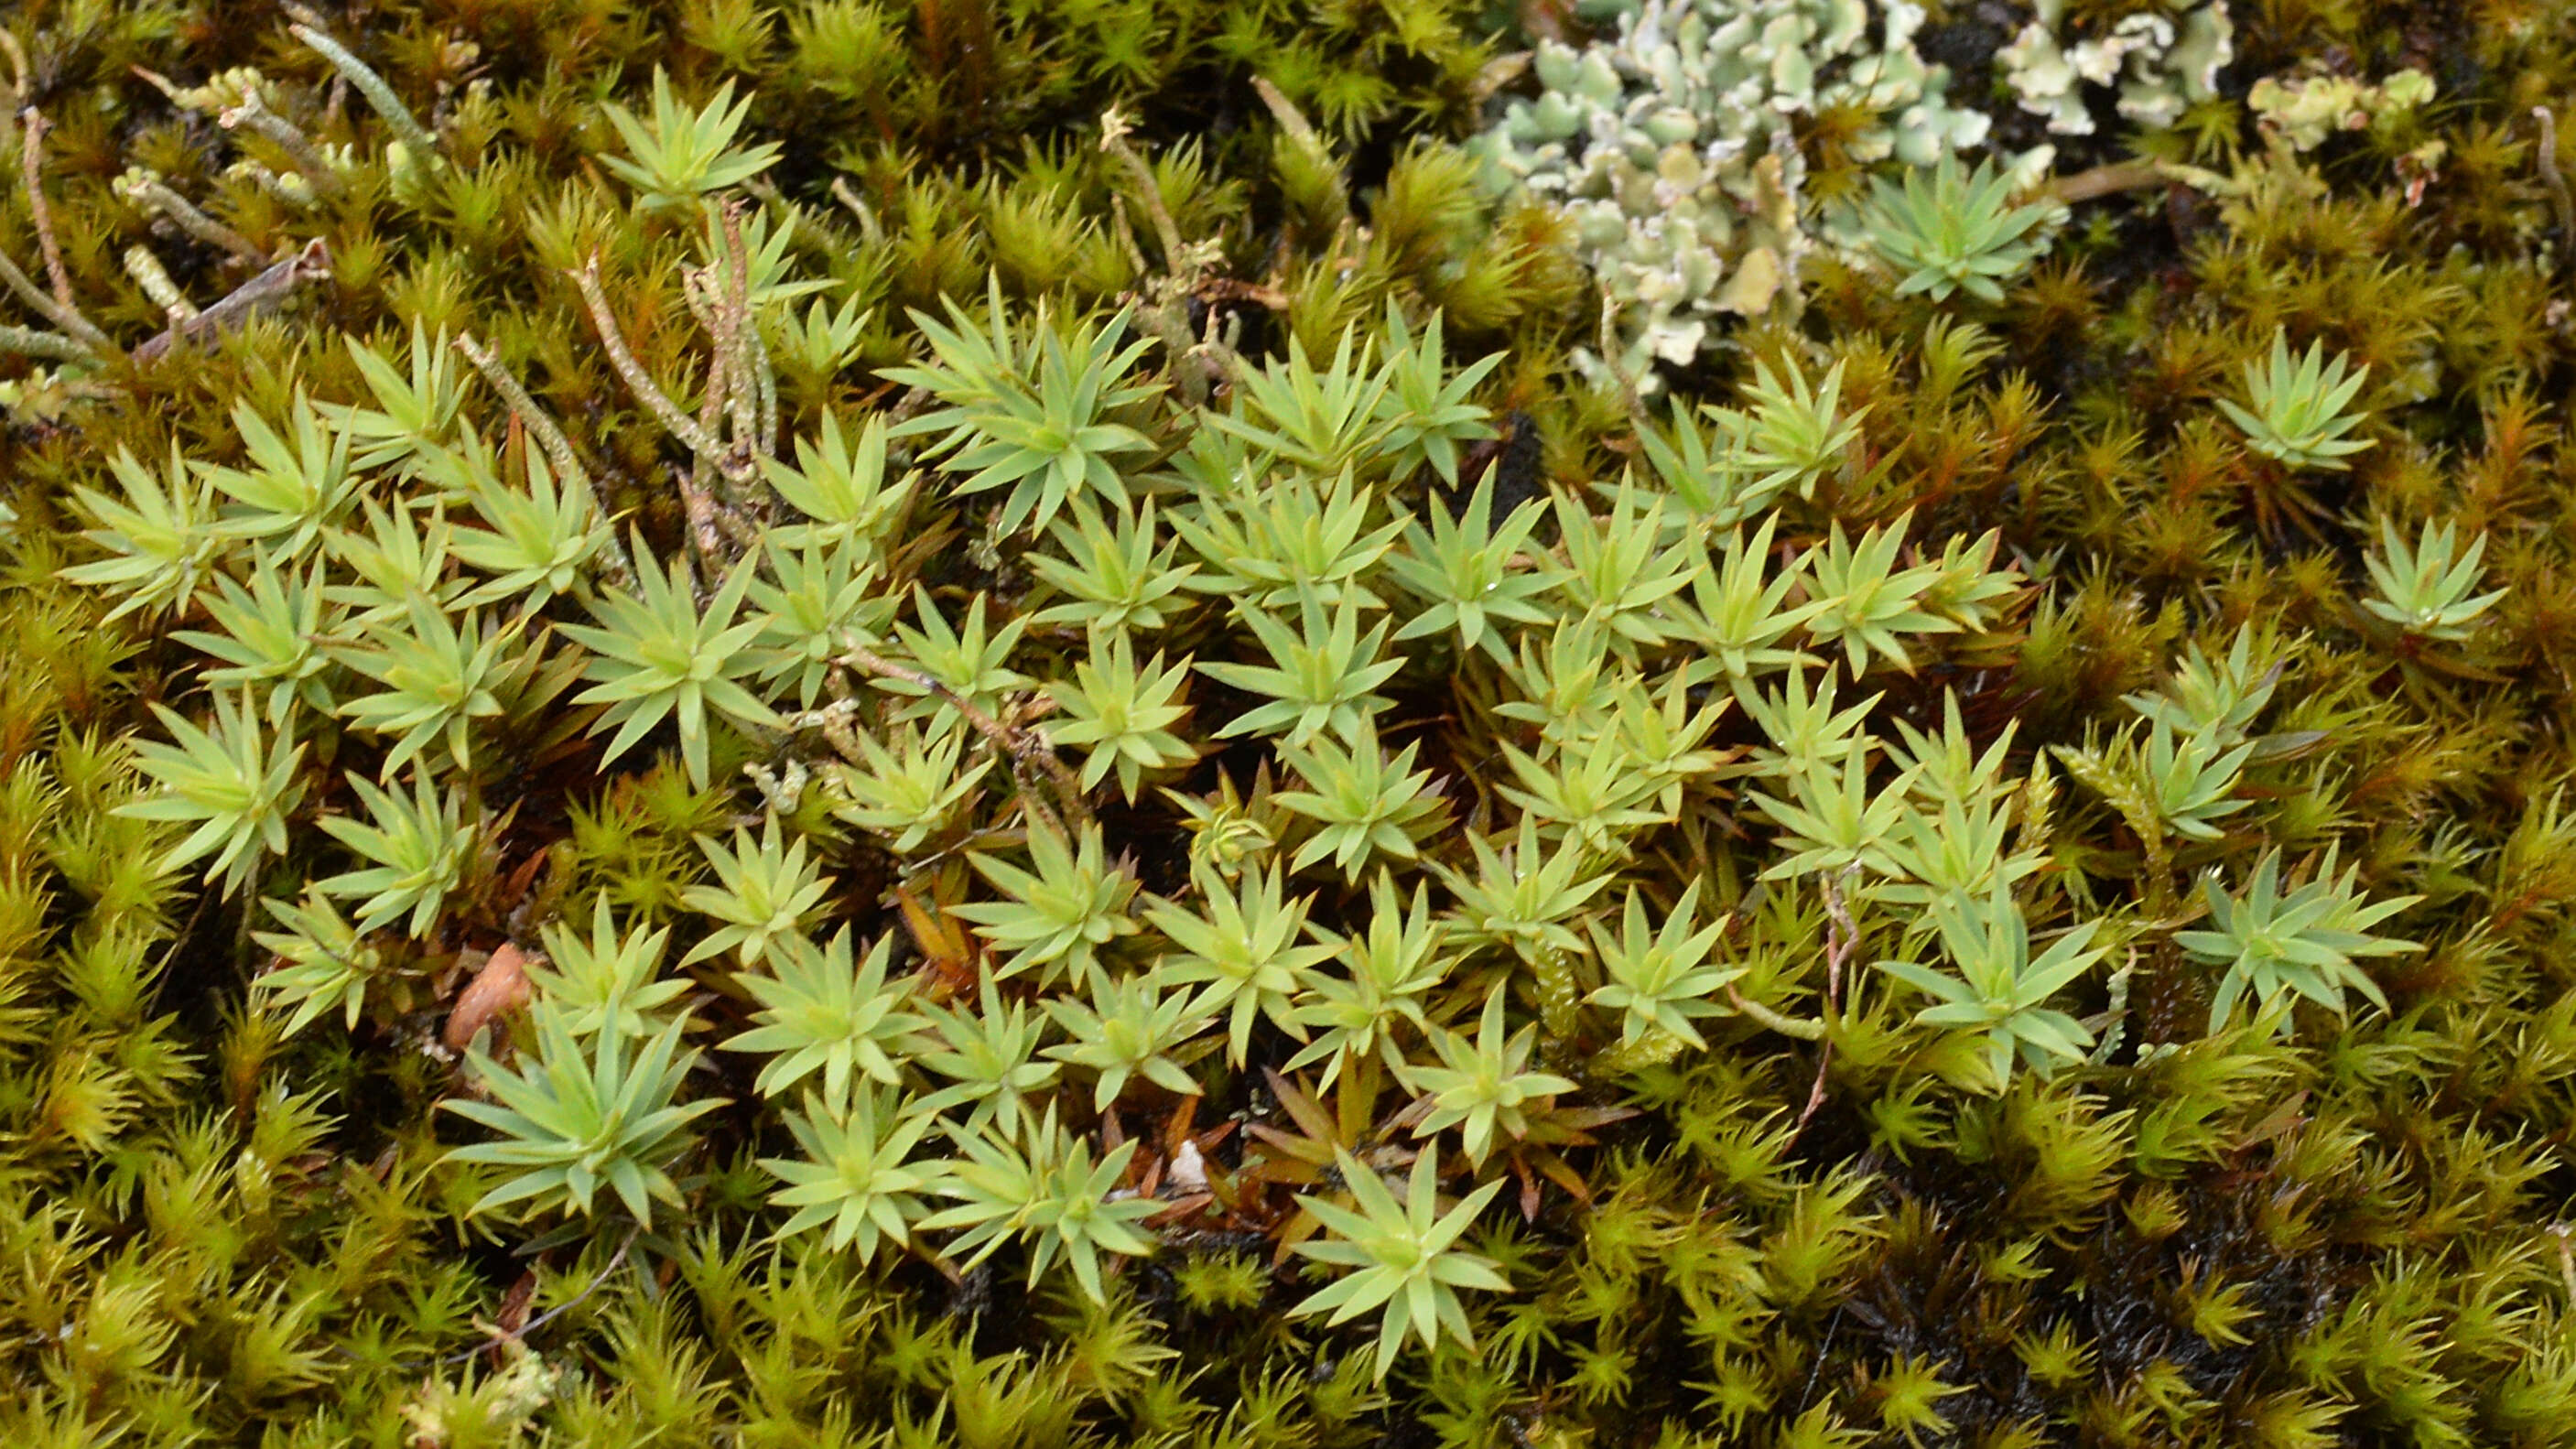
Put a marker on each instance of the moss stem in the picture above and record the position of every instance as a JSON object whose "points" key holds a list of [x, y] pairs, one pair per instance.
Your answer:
{"points": [[308, 159]]}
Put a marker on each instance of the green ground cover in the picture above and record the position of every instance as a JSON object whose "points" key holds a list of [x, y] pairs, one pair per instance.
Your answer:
{"points": [[1287, 723]]}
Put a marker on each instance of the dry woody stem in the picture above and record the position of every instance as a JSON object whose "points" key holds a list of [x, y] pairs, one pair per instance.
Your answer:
{"points": [[32, 134], [259, 294], [1025, 747], [2550, 176], [56, 307]]}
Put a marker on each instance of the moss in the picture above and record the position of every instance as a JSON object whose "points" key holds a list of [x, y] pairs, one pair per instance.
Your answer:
{"points": [[1943, 632]]}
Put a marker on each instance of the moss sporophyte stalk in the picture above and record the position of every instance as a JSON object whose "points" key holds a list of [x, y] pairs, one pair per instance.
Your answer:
{"points": [[1189, 722]]}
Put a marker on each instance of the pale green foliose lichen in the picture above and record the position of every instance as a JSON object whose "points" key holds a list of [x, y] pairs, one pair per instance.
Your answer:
{"points": [[2161, 64], [2305, 109], [1671, 149]]}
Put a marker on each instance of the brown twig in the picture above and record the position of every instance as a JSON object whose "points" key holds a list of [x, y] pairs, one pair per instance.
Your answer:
{"points": [[1840, 937], [2108, 180], [264, 291], [2549, 174], [32, 161], [1025, 747]]}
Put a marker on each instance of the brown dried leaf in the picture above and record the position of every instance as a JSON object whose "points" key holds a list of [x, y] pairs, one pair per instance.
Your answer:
{"points": [[500, 987]]}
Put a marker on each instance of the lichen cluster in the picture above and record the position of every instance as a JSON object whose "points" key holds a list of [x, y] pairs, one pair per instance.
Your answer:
{"points": [[2155, 63], [1673, 151], [1785, 722]]}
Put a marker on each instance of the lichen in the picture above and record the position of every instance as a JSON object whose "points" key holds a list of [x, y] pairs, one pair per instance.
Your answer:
{"points": [[2154, 62], [1671, 150], [959, 723]]}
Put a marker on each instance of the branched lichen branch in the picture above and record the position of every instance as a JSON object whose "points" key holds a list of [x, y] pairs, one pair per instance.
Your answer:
{"points": [[679, 424], [146, 270], [56, 307], [2107, 180], [506, 383], [710, 526], [835, 721], [254, 115], [1770, 1020], [17, 66], [1113, 139], [763, 383], [52, 346], [1842, 937], [703, 469], [308, 160], [363, 77], [869, 226], [76, 327], [146, 189], [733, 334], [1290, 119], [550, 438]]}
